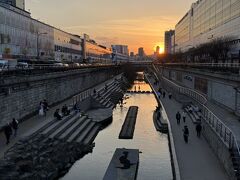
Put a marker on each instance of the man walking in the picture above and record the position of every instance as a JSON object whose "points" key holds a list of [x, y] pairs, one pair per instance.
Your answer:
{"points": [[15, 126], [184, 116], [178, 117], [199, 129], [185, 134], [8, 132]]}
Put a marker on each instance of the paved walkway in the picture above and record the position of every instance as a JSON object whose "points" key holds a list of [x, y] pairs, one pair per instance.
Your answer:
{"points": [[196, 159], [32, 124]]}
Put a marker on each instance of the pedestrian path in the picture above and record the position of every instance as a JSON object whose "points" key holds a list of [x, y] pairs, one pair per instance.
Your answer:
{"points": [[34, 123], [196, 159]]}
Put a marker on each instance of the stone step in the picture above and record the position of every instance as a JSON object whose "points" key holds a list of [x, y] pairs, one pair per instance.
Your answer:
{"points": [[65, 127], [85, 133], [73, 128], [48, 125], [91, 136], [78, 132], [57, 125]]}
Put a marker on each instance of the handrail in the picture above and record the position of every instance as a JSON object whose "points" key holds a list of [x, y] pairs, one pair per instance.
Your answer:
{"points": [[221, 129]]}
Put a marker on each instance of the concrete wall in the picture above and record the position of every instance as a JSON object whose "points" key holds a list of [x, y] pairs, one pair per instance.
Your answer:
{"points": [[220, 149], [20, 97], [219, 90]]}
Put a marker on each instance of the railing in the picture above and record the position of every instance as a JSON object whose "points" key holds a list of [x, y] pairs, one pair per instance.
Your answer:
{"points": [[82, 96], [224, 67], [225, 134]]}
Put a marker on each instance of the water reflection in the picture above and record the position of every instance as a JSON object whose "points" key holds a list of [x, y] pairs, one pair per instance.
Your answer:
{"points": [[155, 158]]}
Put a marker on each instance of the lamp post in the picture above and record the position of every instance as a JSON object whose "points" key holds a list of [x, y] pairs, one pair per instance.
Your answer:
{"points": [[38, 35]]}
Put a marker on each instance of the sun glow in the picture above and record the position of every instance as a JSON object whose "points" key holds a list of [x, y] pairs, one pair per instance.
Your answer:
{"points": [[161, 49]]}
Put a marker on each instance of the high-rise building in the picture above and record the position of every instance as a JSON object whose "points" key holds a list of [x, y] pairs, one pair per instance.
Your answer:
{"points": [[131, 54], [141, 52], [168, 45], [207, 20], [17, 3], [121, 49]]}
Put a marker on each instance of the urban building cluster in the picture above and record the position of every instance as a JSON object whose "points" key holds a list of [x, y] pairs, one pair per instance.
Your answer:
{"points": [[205, 21], [22, 36]]}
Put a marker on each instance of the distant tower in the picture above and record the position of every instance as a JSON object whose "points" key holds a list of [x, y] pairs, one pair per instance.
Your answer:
{"points": [[157, 50]]}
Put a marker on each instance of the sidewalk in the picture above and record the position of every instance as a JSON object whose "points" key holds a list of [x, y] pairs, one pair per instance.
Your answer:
{"points": [[196, 159], [34, 123]]}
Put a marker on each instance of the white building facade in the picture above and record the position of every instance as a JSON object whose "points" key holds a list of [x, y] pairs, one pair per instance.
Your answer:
{"points": [[24, 37], [208, 20]]}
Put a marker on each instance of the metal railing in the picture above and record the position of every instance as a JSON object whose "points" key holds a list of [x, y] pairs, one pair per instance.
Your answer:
{"points": [[82, 96], [221, 129], [221, 67]]}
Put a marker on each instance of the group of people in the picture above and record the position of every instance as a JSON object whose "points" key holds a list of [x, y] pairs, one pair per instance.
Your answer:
{"points": [[185, 129], [9, 128], [162, 93], [43, 108], [65, 112]]}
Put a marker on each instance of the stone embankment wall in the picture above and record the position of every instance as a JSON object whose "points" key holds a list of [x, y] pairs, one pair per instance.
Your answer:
{"points": [[221, 89], [20, 96]]}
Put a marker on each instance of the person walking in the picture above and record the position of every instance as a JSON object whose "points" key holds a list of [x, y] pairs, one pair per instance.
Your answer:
{"points": [[185, 134], [184, 116], [164, 94], [41, 109], [14, 126], [45, 106], [170, 95], [8, 132], [199, 129], [178, 117]]}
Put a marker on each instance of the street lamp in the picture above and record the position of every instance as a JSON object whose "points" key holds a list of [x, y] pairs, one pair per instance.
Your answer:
{"points": [[38, 35]]}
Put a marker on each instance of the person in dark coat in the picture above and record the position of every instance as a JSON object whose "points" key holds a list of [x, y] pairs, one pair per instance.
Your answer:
{"points": [[57, 115], [199, 129], [8, 132], [178, 117], [15, 126], [45, 106], [185, 134], [65, 110], [170, 96]]}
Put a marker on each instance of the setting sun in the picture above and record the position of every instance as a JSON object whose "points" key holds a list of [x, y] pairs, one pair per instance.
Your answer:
{"points": [[161, 50]]}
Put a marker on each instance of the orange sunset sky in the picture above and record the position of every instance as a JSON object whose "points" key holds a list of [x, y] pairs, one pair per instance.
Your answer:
{"points": [[136, 23]]}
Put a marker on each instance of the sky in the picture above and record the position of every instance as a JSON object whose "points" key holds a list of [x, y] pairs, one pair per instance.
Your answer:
{"points": [[136, 23]]}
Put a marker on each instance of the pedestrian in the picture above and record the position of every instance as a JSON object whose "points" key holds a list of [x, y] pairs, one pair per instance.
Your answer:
{"points": [[184, 116], [14, 126], [199, 129], [41, 109], [94, 91], [45, 106], [185, 134], [57, 115], [178, 117], [8, 132], [164, 94], [170, 95]]}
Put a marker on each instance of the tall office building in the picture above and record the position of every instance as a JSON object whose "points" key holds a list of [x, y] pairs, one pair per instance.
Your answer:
{"points": [[207, 20], [141, 52], [121, 49], [17, 3], [168, 44]]}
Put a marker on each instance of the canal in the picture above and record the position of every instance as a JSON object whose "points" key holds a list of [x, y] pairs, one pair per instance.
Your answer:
{"points": [[154, 159]]}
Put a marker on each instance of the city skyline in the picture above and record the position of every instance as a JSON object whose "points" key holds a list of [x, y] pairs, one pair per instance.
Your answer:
{"points": [[142, 26]]}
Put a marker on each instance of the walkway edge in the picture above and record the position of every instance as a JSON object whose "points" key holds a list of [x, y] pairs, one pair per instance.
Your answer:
{"points": [[175, 166]]}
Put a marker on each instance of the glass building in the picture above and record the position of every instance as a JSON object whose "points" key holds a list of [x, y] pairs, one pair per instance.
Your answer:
{"points": [[207, 20]]}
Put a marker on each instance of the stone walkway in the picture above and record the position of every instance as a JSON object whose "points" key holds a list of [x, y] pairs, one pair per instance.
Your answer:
{"points": [[33, 124], [196, 159]]}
